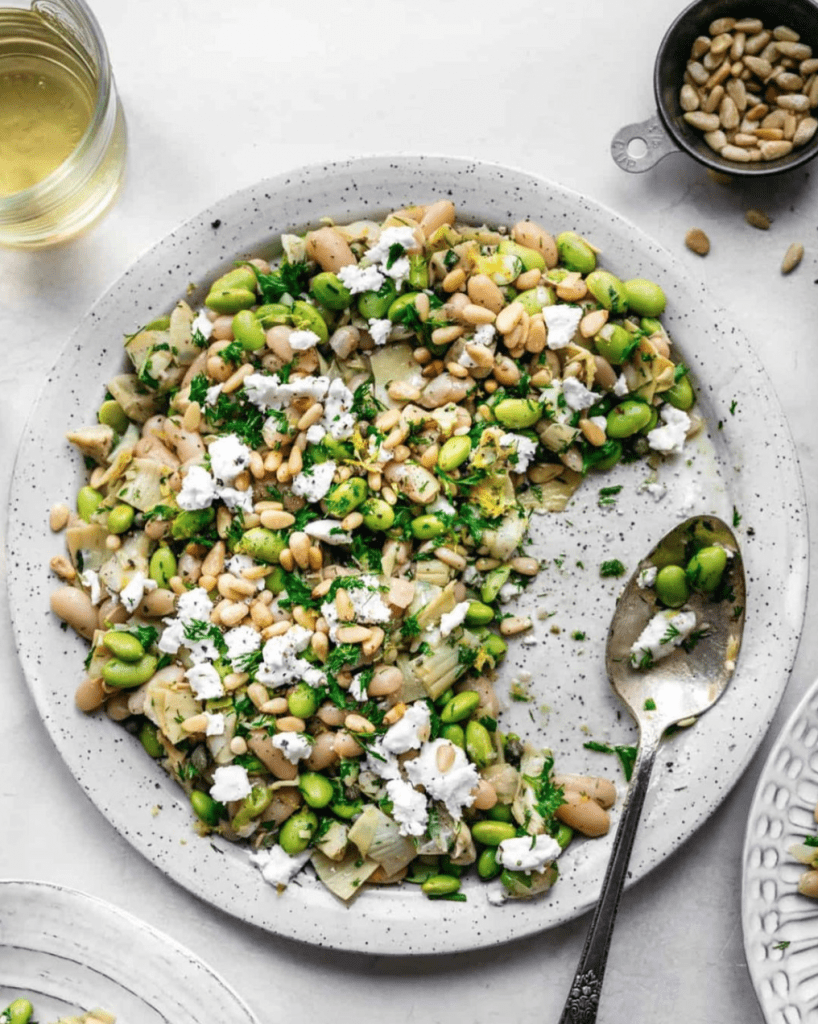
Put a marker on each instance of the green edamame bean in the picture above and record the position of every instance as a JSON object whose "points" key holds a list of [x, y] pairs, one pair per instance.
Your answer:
{"points": [[479, 614], [262, 544], [533, 300], [273, 314], [248, 331], [479, 745], [441, 885], [346, 496], [705, 568], [205, 808], [123, 645], [608, 291], [449, 868], [316, 789], [161, 323], [426, 527], [307, 318], [328, 289], [493, 583], [297, 831], [606, 456], [530, 258], [276, 582], [378, 514], [88, 501], [257, 801], [239, 277], [252, 764], [162, 567], [397, 312], [487, 866], [495, 646], [418, 271], [460, 706], [654, 419], [671, 586], [454, 734], [650, 325], [149, 739], [615, 344], [454, 453], [500, 812], [230, 300], [303, 701], [113, 415], [127, 674], [347, 809], [189, 524], [120, 519], [681, 394], [564, 836], [376, 304], [421, 873], [645, 297], [18, 1012], [627, 418], [492, 833], [575, 253], [338, 450], [517, 413]]}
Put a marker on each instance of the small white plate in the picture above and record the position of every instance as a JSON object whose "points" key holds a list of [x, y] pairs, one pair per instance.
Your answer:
{"points": [[773, 913], [69, 952], [746, 463]]}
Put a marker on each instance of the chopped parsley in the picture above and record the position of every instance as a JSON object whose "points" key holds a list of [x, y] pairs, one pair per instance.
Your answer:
{"points": [[612, 568], [733, 407], [199, 388], [161, 512], [287, 279], [626, 755], [781, 945], [670, 634], [548, 798], [607, 495], [736, 518], [410, 627], [146, 635], [650, 704]]}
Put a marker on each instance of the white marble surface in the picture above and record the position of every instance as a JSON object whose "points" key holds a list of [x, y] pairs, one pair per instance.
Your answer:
{"points": [[219, 95]]}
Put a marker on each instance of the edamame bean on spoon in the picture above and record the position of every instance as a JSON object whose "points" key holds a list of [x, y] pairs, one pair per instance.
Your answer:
{"points": [[668, 689]]}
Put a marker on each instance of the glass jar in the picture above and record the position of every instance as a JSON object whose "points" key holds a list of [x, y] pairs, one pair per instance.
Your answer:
{"points": [[52, 54]]}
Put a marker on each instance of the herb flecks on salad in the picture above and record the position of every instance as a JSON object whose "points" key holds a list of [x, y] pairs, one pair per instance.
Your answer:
{"points": [[305, 519]]}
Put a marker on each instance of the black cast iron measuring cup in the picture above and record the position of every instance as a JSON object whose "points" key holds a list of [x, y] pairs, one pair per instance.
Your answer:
{"points": [[639, 147]]}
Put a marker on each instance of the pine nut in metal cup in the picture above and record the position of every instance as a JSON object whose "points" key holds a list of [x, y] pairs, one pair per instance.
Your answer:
{"points": [[61, 89], [706, 87]]}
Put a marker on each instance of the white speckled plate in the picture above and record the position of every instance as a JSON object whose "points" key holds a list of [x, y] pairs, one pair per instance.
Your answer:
{"points": [[747, 462], [785, 979], [68, 952]]}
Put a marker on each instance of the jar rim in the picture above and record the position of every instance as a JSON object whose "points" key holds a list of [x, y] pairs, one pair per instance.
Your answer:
{"points": [[40, 190]]}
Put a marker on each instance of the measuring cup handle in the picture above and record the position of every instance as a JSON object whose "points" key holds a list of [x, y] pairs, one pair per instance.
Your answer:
{"points": [[652, 133]]}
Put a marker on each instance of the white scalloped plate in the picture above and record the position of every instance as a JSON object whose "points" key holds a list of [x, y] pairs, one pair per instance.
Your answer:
{"points": [[746, 458], [785, 980], [69, 952]]}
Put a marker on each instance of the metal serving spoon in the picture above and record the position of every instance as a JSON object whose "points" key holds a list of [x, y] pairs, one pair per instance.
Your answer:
{"points": [[678, 687]]}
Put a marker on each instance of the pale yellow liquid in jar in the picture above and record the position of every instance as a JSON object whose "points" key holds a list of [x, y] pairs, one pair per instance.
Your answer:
{"points": [[47, 95]]}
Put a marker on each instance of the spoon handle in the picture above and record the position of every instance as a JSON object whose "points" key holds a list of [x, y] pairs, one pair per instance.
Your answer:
{"points": [[583, 999]]}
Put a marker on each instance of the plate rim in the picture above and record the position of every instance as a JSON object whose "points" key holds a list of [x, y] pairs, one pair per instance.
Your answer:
{"points": [[453, 165]]}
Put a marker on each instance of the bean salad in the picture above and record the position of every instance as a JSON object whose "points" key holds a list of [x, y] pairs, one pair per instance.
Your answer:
{"points": [[304, 528]]}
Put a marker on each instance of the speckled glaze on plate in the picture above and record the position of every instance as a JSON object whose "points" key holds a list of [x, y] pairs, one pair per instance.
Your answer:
{"points": [[747, 462], [785, 980], [69, 952]]}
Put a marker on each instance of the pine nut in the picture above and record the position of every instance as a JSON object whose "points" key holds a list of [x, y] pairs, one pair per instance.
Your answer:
{"points": [[388, 679], [275, 520], [344, 606], [300, 547], [792, 258], [515, 624], [388, 419], [454, 280], [444, 758], [422, 306], [509, 317], [233, 615], [688, 99], [238, 745], [287, 561], [63, 568], [757, 219], [474, 314], [446, 335], [451, 558], [257, 694], [524, 565], [196, 723], [357, 723], [353, 634], [593, 433], [592, 323], [58, 517], [311, 416], [369, 646], [261, 615]]}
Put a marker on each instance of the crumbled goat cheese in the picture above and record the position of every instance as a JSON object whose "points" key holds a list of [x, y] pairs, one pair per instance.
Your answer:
{"points": [[379, 330], [454, 787], [647, 577], [528, 853], [293, 745], [524, 449], [230, 782], [238, 564], [328, 530], [277, 867], [620, 389], [215, 723], [577, 396], [408, 807], [300, 341], [198, 489], [360, 279], [132, 594], [205, 681], [451, 620], [281, 664], [234, 499], [600, 422], [670, 438], [194, 605], [212, 394], [369, 606], [357, 690], [202, 324], [241, 640], [90, 580], [314, 483], [562, 323], [666, 631], [657, 490], [228, 457], [410, 731]]}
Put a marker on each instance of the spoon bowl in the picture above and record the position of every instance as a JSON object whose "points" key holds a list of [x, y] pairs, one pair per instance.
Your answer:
{"points": [[668, 682]]}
